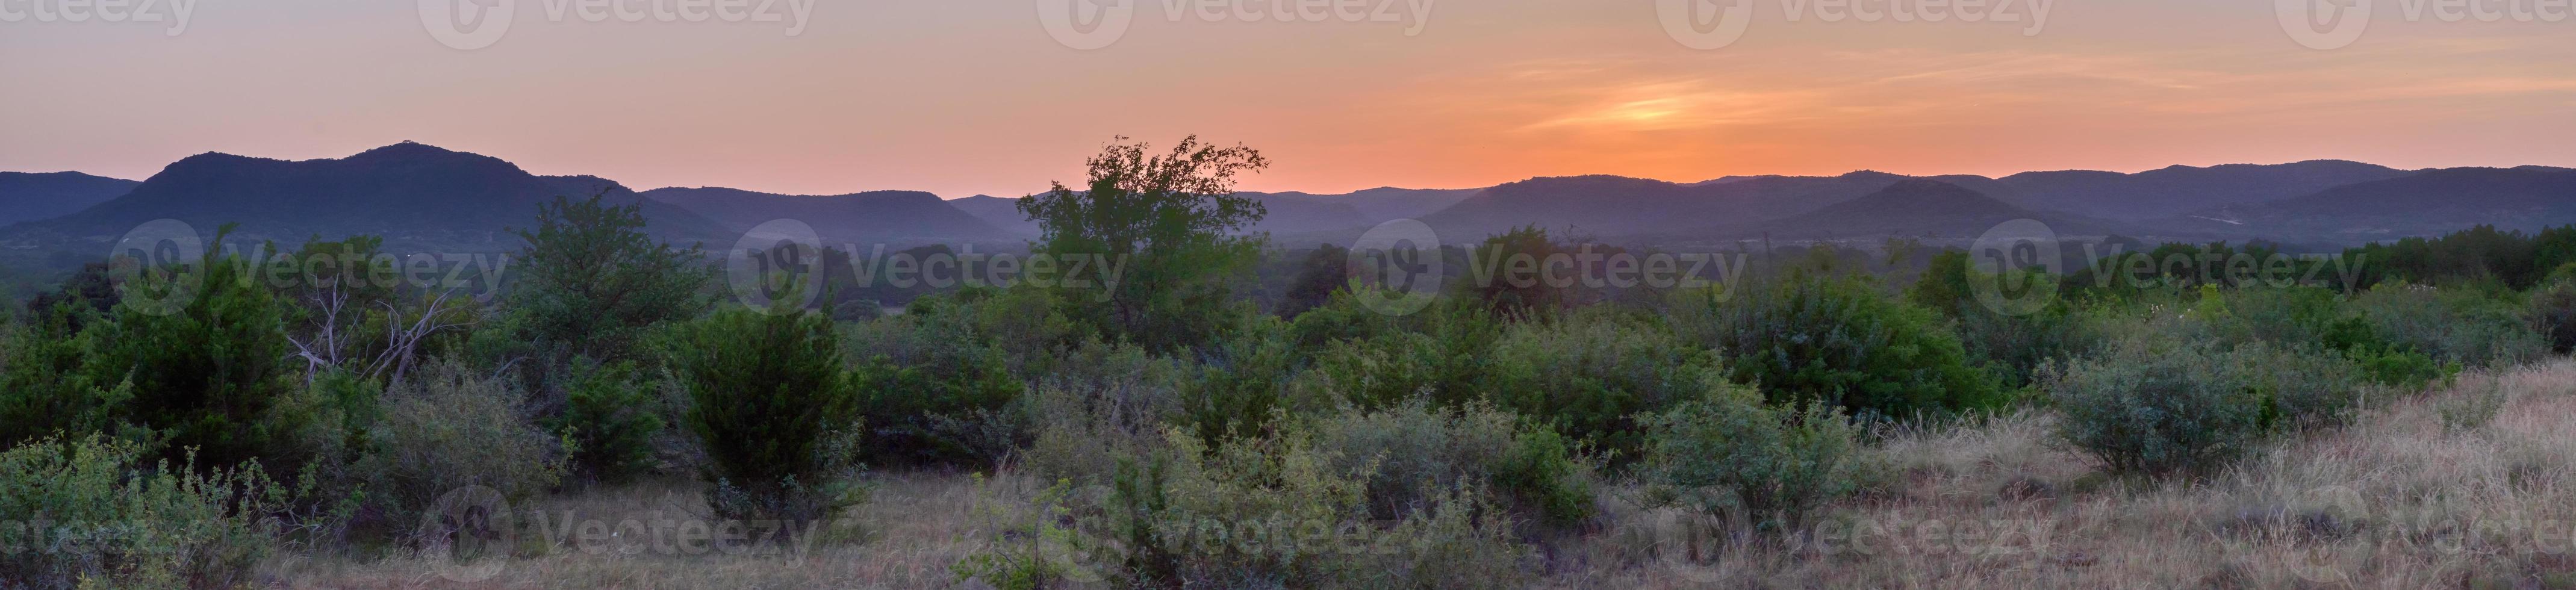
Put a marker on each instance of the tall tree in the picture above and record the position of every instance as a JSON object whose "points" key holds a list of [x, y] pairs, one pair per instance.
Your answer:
{"points": [[592, 279], [1169, 222]]}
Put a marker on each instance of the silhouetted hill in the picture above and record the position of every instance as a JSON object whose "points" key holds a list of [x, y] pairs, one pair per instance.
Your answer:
{"points": [[28, 196], [1000, 212], [1915, 208], [2167, 192], [420, 198], [1379, 205], [1612, 206], [2428, 203], [899, 218]]}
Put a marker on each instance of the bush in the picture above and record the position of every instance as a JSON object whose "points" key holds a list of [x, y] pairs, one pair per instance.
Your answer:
{"points": [[1411, 454], [2158, 406], [1243, 381], [1112, 402], [1372, 360], [2552, 313], [1591, 373], [923, 377], [1730, 455], [449, 427], [611, 418], [92, 513], [1273, 512], [1840, 341], [2452, 325], [206, 373], [43, 390], [774, 410]]}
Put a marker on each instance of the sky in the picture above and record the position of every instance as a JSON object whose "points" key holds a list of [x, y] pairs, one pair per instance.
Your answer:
{"points": [[962, 97]]}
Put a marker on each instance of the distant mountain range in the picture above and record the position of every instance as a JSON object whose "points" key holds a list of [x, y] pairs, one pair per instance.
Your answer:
{"points": [[422, 197], [29, 197]]}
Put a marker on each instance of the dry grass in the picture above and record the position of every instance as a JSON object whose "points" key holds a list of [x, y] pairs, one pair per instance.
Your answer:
{"points": [[2419, 493]]}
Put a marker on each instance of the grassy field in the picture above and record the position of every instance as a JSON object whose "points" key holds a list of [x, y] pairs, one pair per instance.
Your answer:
{"points": [[2471, 485]]}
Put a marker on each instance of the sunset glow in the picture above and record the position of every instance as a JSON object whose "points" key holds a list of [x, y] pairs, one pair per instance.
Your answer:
{"points": [[962, 98]]}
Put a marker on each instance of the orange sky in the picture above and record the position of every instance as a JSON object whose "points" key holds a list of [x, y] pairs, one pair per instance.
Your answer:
{"points": [[975, 96]]}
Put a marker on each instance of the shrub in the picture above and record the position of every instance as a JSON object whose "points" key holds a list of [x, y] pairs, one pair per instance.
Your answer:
{"points": [[1277, 513], [1374, 361], [109, 519], [2158, 406], [612, 418], [1243, 381], [774, 410], [1411, 454], [207, 372], [2552, 313], [1112, 401], [1730, 455], [1840, 341], [1591, 373], [449, 427], [2012, 346], [923, 377], [2452, 325], [43, 390]]}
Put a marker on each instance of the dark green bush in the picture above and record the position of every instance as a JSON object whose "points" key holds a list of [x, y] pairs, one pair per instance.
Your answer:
{"points": [[612, 418], [1841, 341], [774, 409], [43, 390], [2451, 324], [921, 377], [1730, 455], [1592, 372], [206, 373], [2552, 312]]}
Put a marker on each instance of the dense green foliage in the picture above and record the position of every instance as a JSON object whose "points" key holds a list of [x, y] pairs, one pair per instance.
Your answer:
{"points": [[1842, 341], [772, 405]]}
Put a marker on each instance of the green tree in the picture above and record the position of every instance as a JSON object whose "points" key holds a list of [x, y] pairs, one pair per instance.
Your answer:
{"points": [[1842, 341], [1170, 221], [592, 280], [773, 407], [207, 373]]}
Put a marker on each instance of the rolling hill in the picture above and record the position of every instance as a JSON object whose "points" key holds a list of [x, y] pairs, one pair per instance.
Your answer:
{"points": [[26, 196], [897, 218], [418, 197]]}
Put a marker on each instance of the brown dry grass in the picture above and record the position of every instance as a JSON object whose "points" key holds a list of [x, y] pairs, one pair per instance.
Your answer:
{"points": [[2415, 494]]}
